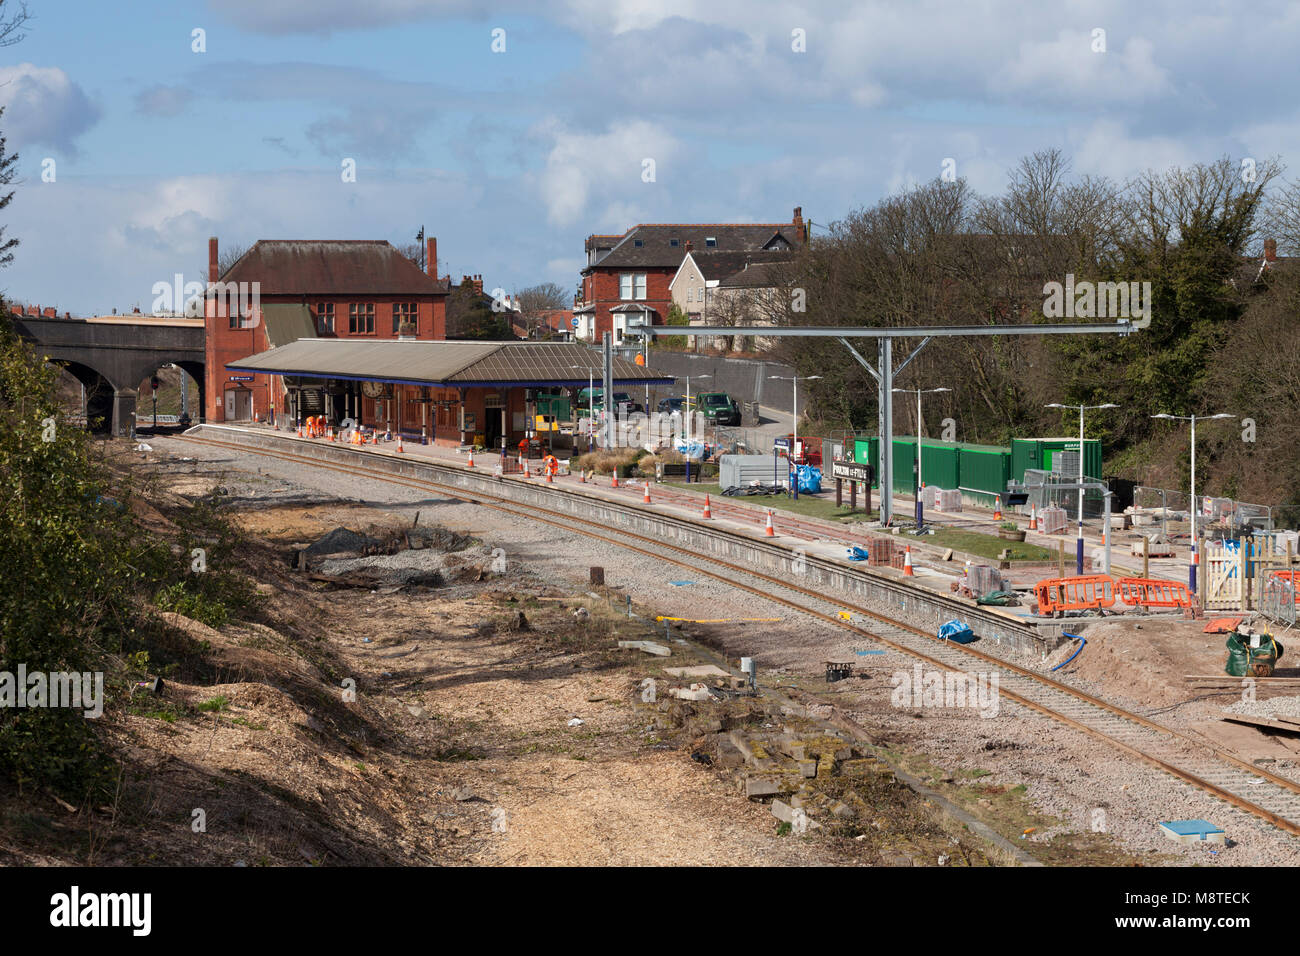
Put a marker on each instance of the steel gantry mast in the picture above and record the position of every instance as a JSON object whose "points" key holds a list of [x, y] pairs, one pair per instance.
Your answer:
{"points": [[884, 370]]}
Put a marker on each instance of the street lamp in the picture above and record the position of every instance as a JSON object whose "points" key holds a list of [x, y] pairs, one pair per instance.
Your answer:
{"points": [[1082, 409], [1191, 570], [917, 483], [794, 441], [686, 413]]}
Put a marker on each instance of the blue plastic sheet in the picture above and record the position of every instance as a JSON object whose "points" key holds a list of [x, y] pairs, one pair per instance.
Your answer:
{"points": [[809, 479], [858, 554], [957, 632]]}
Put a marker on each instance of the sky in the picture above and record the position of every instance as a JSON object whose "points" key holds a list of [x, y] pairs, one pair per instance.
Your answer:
{"points": [[511, 130]]}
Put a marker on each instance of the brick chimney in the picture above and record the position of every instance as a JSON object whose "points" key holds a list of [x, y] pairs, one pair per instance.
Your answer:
{"points": [[688, 245], [33, 310], [212, 259], [1270, 250], [50, 312], [478, 283], [431, 257], [800, 230]]}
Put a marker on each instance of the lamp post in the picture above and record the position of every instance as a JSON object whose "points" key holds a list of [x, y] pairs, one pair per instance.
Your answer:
{"points": [[686, 413], [794, 439], [1191, 570], [1082, 409], [917, 483]]}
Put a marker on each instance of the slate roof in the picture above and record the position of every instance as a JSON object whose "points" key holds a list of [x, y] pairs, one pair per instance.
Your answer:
{"points": [[444, 362], [657, 251], [332, 267]]}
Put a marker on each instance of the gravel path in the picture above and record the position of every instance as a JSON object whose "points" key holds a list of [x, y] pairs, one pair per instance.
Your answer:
{"points": [[1069, 775]]}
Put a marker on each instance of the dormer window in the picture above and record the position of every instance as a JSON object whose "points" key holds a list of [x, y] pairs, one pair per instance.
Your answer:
{"points": [[673, 242], [710, 241], [638, 243]]}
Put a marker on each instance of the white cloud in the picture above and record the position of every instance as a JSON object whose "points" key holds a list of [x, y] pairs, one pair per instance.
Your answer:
{"points": [[583, 169], [43, 105]]}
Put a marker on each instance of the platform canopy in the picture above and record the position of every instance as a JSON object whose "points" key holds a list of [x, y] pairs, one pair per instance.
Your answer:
{"points": [[445, 363]]}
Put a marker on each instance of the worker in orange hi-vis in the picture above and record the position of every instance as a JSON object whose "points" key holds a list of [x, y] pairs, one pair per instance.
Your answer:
{"points": [[552, 467]]}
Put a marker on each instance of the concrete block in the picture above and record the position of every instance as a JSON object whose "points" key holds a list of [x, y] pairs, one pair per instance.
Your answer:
{"points": [[842, 811], [650, 647], [759, 787], [728, 756], [783, 811], [739, 741], [696, 692], [808, 768]]}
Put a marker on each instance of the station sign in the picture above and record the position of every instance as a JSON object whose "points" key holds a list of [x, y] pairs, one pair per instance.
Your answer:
{"points": [[851, 471], [241, 378]]}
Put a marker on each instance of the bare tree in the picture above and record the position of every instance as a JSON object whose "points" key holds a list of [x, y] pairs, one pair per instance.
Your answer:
{"points": [[535, 301]]}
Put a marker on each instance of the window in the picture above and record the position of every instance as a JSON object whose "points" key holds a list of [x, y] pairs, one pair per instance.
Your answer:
{"points": [[404, 312], [710, 241], [673, 243], [324, 317], [631, 285], [638, 243], [361, 318]]}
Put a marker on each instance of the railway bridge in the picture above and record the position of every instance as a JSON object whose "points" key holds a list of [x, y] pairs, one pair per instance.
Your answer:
{"points": [[112, 355]]}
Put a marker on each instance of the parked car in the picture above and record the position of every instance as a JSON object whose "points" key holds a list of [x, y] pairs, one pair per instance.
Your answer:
{"points": [[669, 405], [620, 399], [718, 408]]}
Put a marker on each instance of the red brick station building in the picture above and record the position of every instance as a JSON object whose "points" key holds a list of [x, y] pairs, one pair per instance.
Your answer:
{"points": [[356, 330]]}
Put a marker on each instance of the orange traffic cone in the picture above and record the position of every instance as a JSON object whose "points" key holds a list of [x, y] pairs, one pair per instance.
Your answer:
{"points": [[769, 530], [613, 478], [646, 497], [707, 512], [1033, 517], [525, 464], [399, 443], [550, 480], [907, 563], [997, 508], [300, 430], [470, 463]]}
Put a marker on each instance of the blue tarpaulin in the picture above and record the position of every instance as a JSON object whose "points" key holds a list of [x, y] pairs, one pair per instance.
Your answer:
{"points": [[956, 632], [858, 554], [810, 479]]}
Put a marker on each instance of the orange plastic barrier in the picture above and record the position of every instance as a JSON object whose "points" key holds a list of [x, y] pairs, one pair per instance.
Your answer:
{"points": [[1086, 593], [1151, 592], [1291, 576]]}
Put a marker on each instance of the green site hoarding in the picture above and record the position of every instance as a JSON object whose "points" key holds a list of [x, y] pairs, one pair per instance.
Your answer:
{"points": [[1042, 454], [942, 463]]}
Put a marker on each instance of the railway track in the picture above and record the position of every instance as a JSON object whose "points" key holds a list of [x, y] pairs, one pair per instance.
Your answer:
{"points": [[1266, 795]]}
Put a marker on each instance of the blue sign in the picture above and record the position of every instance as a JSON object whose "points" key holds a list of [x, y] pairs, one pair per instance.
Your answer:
{"points": [[575, 321]]}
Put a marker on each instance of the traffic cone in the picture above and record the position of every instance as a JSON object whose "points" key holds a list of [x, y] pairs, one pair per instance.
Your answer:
{"points": [[769, 530], [997, 508], [613, 478], [399, 443], [550, 480], [470, 463], [525, 464], [1033, 517], [707, 512], [300, 429], [907, 563], [646, 497]]}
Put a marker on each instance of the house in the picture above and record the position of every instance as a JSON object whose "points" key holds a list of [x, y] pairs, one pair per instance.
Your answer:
{"points": [[695, 286], [283, 290], [627, 277]]}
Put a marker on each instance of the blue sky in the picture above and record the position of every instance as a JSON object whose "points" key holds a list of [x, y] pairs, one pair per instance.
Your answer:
{"points": [[511, 158]]}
